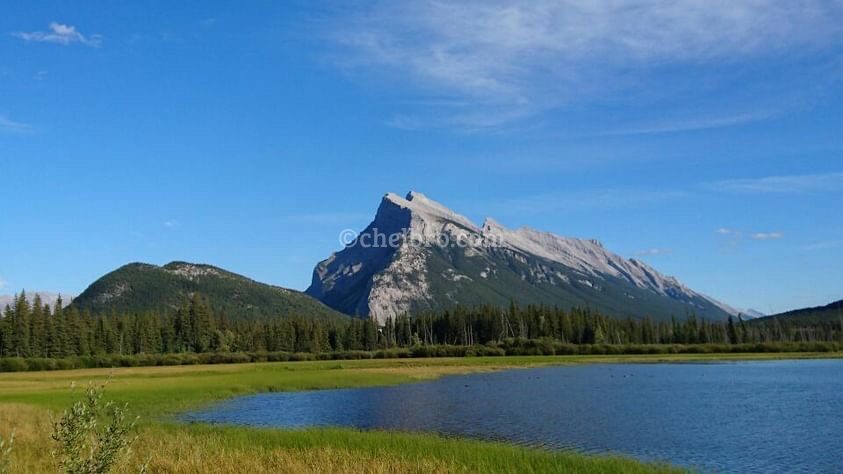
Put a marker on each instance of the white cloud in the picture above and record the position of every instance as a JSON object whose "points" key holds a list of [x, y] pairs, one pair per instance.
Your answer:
{"points": [[60, 34], [783, 184], [510, 59], [767, 236], [40, 75], [731, 238], [737, 235], [171, 224], [8, 125], [653, 252]]}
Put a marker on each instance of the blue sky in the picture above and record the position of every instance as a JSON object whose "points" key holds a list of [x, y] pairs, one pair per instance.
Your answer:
{"points": [[701, 136]]}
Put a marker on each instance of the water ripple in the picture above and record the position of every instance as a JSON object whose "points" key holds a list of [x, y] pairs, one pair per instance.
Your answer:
{"points": [[782, 416]]}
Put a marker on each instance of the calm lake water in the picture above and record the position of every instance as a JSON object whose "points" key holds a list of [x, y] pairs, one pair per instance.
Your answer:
{"points": [[784, 416]]}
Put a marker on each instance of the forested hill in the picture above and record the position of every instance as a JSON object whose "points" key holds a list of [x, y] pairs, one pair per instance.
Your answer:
{"points": [[141, 287], [830, 313]]}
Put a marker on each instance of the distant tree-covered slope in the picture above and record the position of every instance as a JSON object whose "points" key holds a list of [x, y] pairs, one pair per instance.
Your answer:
{"points": [[141, 287], [821, 314]]}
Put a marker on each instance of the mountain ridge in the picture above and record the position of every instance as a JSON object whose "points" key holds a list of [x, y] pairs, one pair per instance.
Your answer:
{"points": [[143, 287], [832, 312], [494, 265]]}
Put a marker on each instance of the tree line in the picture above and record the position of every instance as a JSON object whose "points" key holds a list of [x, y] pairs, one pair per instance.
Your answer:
{"points": [[33, 329]]}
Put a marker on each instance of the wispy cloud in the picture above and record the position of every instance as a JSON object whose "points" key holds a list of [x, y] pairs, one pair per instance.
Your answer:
{"points": [[59, 33], [731, 238], [3, 282], [468, 119], [405, 122], [40, 75], [782, 184], [767, 236], [824, 245], [171, 224], [511, 59], [690, 125], [736, 235], [653, 252], [8, 125]]}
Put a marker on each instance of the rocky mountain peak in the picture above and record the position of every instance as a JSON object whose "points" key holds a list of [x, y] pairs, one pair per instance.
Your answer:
{"points": [[496, 265], [490, 226], [427, 218], [192, 271]]}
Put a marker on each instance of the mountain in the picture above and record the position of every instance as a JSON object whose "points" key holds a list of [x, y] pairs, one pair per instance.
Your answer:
{"points": [[47, 297], [140, 287], [751, 314], [821, 314], [399, 264]]}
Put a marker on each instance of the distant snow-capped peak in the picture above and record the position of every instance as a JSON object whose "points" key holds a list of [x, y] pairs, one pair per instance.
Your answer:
{"points": [[47, 297]]}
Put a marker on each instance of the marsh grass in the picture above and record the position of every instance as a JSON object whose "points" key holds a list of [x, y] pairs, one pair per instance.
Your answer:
{"points": [[170, 447], [342, 450], [6, 445]]}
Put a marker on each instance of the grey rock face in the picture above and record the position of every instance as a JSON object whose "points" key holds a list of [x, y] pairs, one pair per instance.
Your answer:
{"points": [[419, 255]]}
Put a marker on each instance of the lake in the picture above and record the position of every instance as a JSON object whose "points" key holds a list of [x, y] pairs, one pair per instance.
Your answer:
{"points": [[721, 417]]}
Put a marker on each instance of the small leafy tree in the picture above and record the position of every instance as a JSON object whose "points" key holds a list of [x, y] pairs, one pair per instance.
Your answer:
{"points": [[599, 335], [6, 451], [85, 447]]}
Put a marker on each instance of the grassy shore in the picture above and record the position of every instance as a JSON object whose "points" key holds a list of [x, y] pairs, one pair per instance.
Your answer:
{"points": [[29, 401]]}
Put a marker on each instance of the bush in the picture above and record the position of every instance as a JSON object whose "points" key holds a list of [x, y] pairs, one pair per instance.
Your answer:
{"points": [[508, 347], [13, 364], [278, 356], [224, 358], [300, 356], [83, 446]]}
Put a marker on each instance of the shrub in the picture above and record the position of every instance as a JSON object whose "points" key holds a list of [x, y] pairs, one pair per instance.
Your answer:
{"points": [[13, 364], [300, 356], [83, 446], [278, 356], [508, 347]]}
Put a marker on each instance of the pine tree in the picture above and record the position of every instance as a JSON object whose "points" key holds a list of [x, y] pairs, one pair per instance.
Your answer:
{"points": [[732, 331], [200, 324], [20, 326], [55, 332]]}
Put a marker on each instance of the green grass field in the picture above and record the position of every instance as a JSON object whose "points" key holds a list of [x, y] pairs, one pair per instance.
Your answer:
{"points": [[29, 402]]}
